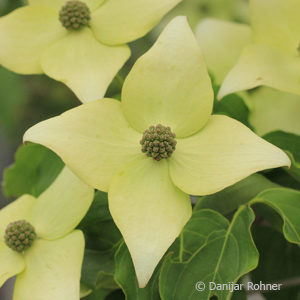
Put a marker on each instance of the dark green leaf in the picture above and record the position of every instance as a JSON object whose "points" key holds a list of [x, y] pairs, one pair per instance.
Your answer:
{"points": [[103, 294], [12, 96], [232, 106], [283, 178], [267, 215], [100, 230], [116, 295], [106, 237], [126, 278], [239, 295], [290, 143], [102, 241], [35, 168], [279, 263], [98, 295], [212, 250], [97, 213], [98, 269], [7, 6], [286, 141], [238, 194], [286, 202]]}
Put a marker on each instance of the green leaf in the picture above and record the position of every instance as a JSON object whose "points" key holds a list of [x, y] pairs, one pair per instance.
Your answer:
{"points": [[98, 270], [35, 168], [7, 6], [232, 106], [239, 295], [126, 278], [286, 141], [84, 290], [211, 250], [279, 262], [290, 143], [12, 96], [102, 241], [97, 213], [286, 202], [98, 295], [283, 178], [238, 194], [115, 295], [105, 295], [99, 228]]}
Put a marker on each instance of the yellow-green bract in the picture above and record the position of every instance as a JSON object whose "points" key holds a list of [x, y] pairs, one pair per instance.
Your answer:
{"points": [[148, 199], [223, 44], [272, 58], [51, 267], [33, 41]]}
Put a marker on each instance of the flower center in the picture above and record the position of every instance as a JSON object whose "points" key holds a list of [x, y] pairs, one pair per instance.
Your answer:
{"points": [[74, 15], [158, 142], [19, 235]]}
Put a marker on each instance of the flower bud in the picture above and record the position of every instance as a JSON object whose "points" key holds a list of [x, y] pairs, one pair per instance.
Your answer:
{"points": [[158, 142], [19, 235], [74, 15]]}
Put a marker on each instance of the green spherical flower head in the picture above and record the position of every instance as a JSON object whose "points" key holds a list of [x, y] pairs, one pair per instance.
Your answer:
{"points": [[19, 235], [74, 15], [158, 142]]}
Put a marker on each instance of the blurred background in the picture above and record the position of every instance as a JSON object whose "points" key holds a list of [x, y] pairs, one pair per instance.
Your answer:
{"points": [[27, 100]]}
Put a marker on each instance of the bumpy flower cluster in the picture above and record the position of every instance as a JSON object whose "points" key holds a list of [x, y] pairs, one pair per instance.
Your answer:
{"points": [[158, 142], [74, 15], [19, 235]]}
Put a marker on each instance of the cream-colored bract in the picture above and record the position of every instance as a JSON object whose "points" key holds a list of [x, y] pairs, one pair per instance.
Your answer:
{"points": [[118, 22], [222, 153], [276, 23], [223, 43], [96, 145], [55, 257], [53, 269], [83, 77], [260, 65], [269, 105], [23, 38], [151, 215], [33, 41], [11, 263], [57, 4], [148, 199], [164, 78], [61, 207], [272, 57]]}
